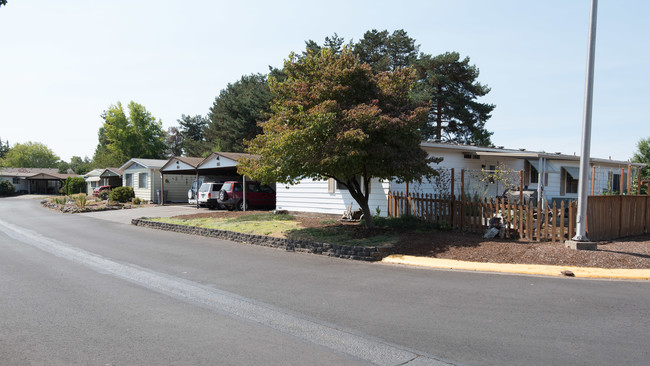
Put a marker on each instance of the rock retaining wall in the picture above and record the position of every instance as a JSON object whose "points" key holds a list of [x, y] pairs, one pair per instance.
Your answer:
{"points": [[331, 250]]}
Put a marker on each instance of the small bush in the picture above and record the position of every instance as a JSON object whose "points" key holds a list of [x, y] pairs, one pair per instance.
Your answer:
{"points": [[137, 201], [80, 199], [6, 188], [121, 194], [103, 195]]}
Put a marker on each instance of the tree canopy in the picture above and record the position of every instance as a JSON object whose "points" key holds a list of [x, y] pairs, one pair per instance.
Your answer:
{"points": [[334, 118], [642, 155], [236, 112], [384, 51], [122, 137], [77, 164], [450, 85], [446, 82], [192, 130], [30, 155]]}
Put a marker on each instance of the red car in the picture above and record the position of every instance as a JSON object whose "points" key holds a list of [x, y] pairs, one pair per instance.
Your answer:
{"points": [[231, 195], [98, 190]]}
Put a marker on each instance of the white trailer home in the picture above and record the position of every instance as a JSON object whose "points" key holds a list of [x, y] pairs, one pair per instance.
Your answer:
{"points": [[487, 172]]}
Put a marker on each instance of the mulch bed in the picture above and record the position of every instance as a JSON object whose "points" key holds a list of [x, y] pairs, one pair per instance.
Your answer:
{"points": [[623, 253]]}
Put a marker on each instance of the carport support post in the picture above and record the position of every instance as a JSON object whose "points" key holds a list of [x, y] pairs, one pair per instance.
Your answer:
{"points": [[162, 189], [196, 194], [244, 190]]}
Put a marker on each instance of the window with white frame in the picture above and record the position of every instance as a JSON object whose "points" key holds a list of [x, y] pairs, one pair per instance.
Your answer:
{"points": [[142, 180], [128, 180]]}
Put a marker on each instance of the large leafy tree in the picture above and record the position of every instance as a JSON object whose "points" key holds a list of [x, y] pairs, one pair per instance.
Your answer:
{"points": [[235, 113], [30, 155], [642, 155], [77, 164], [4, 148], [450, 86], [334, 118], [192, 130], [122, 137]]}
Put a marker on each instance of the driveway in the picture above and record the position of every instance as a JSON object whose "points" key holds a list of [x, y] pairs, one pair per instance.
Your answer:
{"points": [[125, 216]]}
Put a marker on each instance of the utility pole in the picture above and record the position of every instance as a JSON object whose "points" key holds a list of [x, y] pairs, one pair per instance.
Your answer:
{"points": [[580, 241]]}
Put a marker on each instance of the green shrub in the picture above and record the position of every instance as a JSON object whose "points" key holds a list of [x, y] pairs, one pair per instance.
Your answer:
{"points": [[73, 185], [6, 188], [121, 194], [137, 201], [103, 195]]}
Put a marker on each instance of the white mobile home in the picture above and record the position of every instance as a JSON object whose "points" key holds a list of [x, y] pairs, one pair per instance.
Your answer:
{"points": [[144, 176], [485, 171]]}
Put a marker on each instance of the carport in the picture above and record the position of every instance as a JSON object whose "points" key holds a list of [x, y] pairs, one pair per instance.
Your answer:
{"points": [[217, 166]]}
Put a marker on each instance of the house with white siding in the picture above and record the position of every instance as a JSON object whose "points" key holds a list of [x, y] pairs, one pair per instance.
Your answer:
{"points": [[92, 179], [145, 178], [483, 172]]}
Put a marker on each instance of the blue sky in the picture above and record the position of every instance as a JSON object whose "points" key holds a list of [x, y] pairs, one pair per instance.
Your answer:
{"points": [[62, 63]]}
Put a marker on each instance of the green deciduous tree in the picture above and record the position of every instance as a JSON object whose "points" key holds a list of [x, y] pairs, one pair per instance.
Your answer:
{"points": [[30, 155], [642, 155], [450, 85], [4, 148], [236, 112], [122, 137], [334, 118], [192, 130]]}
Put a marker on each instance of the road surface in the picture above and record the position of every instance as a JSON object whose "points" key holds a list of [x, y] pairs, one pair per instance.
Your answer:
{"points": [[89, 289]]}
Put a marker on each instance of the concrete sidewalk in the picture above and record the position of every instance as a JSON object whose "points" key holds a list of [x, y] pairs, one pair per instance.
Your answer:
{"points": [[531, 269], [125, 216]]}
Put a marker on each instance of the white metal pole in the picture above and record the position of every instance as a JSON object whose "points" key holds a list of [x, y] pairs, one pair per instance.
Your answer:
{"points": [[581, 227]]}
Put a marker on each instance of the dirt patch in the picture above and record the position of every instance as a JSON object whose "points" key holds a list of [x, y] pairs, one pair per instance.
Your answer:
{"points": [[623, 253]]}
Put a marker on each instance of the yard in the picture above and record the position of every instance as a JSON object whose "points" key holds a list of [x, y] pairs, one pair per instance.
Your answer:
{"points": [[413, 238]]}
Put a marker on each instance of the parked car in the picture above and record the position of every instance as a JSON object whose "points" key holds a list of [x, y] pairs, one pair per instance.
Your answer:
{"points": [[231, 195], [208, 195], [191, 193], [98, 190]]}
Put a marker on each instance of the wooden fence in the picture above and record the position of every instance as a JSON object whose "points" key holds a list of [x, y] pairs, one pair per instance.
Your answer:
{"points": [[608, 217], [525, 222], [611, 217]]}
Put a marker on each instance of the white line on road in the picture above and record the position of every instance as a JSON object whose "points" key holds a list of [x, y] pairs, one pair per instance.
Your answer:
{"points": [[360, 346]]}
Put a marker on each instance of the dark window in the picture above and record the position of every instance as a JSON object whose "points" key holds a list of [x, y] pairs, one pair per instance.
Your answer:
{"points": [[571, 184], [534, 174]]}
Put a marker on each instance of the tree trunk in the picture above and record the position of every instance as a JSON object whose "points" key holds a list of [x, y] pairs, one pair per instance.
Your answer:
{"points": [[439, 116]]}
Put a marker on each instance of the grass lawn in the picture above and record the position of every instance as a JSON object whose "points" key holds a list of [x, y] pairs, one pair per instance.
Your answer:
{"points": [[288, 226]]}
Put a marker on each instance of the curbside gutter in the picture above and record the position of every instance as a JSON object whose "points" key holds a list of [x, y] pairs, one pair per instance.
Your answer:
{"points": [[532, 269], [369, 254], [383, 255]]}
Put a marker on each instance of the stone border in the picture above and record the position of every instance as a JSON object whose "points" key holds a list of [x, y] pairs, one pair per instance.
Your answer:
{"points": [[369, 254]]}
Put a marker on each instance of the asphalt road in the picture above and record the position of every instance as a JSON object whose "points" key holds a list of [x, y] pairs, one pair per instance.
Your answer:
{"points": [[84, 290]]}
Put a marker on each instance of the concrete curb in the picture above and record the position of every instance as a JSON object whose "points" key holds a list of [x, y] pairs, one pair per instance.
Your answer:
{"points": [[532, 269]]}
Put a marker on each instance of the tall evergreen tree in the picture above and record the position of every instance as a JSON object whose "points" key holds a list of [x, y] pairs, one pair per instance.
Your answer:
{"points": [[192, 130], [384, 51], [450, 86], [236, 112]]}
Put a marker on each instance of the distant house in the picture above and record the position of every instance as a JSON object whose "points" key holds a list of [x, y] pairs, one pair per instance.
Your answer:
{"points": [[111, 177], [92, 179], [145, 178], [486, 172], [35, 180]]}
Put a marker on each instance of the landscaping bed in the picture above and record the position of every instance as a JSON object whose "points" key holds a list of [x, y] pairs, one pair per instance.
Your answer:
{"points": [[67, 205], [427, 241]]}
